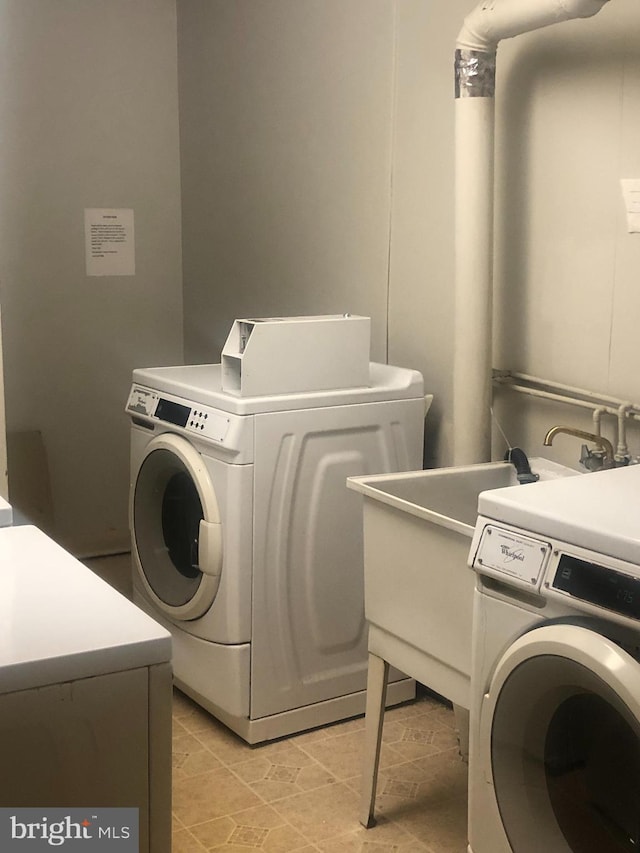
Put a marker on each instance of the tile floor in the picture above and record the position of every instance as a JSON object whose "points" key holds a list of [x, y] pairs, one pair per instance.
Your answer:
{"points": [[302, 793]]}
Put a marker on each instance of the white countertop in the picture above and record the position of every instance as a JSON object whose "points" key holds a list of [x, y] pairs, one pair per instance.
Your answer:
{"points": [[60, 622], [597, 511]]}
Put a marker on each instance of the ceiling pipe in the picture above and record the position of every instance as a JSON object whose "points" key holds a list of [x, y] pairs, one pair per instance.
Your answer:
{"points": [[476, 48]]}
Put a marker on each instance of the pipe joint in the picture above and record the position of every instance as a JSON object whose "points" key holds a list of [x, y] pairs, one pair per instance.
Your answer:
{"points": [[475, 74], [494, 20]]}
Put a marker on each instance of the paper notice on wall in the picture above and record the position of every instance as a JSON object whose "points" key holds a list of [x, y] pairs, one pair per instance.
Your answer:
{"points": [[631, 196], [109, 241]]}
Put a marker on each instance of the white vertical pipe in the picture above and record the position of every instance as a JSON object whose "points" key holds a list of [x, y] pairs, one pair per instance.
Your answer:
{"points": [[474, 155]]}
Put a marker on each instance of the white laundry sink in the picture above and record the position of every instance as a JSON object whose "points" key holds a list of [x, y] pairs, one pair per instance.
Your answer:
{"points": [[418, 588]]}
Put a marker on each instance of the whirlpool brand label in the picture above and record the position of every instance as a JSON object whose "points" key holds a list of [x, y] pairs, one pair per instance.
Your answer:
{"points": [[75, 830], [511, 554]]}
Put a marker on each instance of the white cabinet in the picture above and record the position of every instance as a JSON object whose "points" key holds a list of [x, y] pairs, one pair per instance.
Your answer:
{"points": [[85, 690]]}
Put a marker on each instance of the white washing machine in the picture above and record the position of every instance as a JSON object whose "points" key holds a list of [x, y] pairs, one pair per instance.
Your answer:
{"points": [[555, 718], [247, 544]]}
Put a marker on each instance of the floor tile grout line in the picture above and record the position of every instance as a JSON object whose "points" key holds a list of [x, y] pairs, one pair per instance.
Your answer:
{"points": [[233, 815], [175, 830], [315, 761], [272, 803], [315, 842]]}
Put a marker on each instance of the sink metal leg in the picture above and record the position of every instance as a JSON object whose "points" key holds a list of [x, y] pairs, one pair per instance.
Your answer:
{"points": [[377, 677]]}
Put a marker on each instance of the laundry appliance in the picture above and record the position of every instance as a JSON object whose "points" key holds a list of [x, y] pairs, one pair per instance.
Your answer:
{"points": [[555, 711], [247, 544]]}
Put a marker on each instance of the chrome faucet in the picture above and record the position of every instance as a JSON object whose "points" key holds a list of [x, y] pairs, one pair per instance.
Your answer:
{"points": [[592, 460]]}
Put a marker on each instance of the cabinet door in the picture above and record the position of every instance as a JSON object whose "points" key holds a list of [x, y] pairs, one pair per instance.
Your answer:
{"points": [[82, 743]]}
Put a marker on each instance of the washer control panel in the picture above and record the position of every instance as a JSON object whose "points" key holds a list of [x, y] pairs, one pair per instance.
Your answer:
{"points": [[591, 582], [142, 401], [201, 420], [575, 577]]}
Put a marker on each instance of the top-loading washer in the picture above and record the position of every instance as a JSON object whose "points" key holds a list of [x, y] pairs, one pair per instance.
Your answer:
{"points": [[555, 715], [247, 544]]}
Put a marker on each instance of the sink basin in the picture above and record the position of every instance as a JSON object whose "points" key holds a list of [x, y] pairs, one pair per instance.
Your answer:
{"points": [[449, 496], [418, 589]]}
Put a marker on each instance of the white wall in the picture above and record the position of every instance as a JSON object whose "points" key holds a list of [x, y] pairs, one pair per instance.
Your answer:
{"points": [[421, 322], [286, 131], [566, 299], [567, 105], [317, 176], [88, 118], [567, 295]]}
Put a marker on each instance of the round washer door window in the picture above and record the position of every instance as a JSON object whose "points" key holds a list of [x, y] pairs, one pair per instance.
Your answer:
{"points": [[565, 743], [176, 528]]}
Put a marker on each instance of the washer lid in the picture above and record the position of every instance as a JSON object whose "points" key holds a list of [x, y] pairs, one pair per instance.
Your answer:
{"points": [[597, 511], [202, 383], [60, 622]]}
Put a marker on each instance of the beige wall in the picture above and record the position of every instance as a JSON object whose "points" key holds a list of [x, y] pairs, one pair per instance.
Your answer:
{"points": [[566, 299], [421, 270], [317, 175], [567, 270], [286, 132], [88, 118], [317, 171]]}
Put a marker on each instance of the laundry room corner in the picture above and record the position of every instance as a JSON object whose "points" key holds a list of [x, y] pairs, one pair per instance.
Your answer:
{"points": [[89, 121]]}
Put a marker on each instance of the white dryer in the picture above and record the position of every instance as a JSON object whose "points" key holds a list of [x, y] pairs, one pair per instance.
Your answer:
{"points": [[247, 544], [554, 759]]}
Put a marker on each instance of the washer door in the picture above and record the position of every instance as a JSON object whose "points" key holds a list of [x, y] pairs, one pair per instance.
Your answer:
{"points": [[561, 722], [176, 527]]}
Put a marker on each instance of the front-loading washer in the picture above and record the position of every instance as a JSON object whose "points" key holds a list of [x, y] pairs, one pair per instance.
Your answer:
{"points": [[247, 544], [554, 758]]}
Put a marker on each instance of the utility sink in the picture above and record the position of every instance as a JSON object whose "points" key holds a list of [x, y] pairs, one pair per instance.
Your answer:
{"points": [[418, 588]]}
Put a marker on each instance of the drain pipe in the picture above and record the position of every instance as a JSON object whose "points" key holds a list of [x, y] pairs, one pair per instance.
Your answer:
{"points": [[476, 48]]}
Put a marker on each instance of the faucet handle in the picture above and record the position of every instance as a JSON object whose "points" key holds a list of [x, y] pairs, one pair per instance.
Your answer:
{"points": [[592, 460]]}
